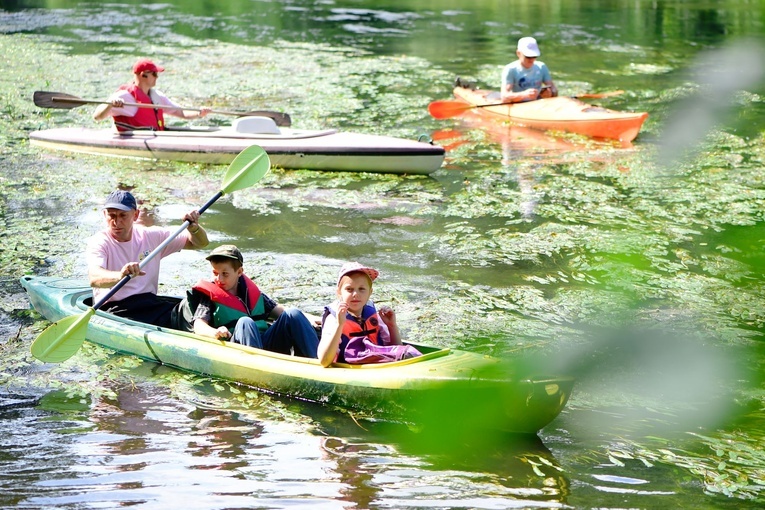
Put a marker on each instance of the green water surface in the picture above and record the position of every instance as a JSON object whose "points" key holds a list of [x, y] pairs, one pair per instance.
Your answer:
{"points": [[636, 269]]}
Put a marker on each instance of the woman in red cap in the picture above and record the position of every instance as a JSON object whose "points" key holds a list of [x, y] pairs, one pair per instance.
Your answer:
{"points": [[141, 90]]}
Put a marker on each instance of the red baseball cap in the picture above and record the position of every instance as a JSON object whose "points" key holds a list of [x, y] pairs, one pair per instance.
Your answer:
{"points": [[144, 65]]}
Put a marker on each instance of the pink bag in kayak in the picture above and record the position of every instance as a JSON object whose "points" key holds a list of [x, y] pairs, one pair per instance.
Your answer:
{"points": [[361, 350]]}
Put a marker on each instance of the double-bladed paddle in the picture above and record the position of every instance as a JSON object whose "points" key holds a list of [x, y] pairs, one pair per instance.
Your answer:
{"points": [[452, 108], [63, 101], [63, 338]]}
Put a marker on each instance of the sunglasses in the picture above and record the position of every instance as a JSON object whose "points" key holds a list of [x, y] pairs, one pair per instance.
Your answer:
{"points": [[146, 74]]}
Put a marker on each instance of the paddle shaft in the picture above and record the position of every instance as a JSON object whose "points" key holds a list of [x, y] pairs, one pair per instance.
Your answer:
{"points": [[154, 253], [64, 101], [61, 99]]}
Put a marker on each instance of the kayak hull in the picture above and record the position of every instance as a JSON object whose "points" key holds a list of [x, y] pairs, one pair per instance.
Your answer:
{"points": [[559, 114], [291, 149], [442, 386]]}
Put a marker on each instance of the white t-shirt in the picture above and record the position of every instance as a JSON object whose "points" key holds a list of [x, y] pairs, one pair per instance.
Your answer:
{"points": [[105, 251]]}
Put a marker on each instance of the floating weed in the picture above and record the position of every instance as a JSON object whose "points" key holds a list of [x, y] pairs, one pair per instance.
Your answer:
{"points": [[732, 465], [92, 373], [612, 222], [209, 394], [500, 252], [647, 69]]}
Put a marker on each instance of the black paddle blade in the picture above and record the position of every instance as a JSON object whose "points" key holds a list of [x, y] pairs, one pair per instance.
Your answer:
{"points": [[57, 100]]}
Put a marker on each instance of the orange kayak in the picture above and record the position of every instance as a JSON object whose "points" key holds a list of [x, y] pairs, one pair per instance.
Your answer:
{"points": [[560, 114]]}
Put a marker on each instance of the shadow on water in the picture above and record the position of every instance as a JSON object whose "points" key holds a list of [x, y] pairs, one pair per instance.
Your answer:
{"points": [[464, 450]]}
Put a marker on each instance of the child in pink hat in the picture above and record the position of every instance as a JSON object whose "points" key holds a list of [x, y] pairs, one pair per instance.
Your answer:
{"points": [[353, 329]]}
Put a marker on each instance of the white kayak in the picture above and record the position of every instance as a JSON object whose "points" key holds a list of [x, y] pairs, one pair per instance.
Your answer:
{"points": [[286, 147]]}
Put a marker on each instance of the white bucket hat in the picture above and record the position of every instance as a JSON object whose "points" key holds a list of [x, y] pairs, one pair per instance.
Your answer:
{"points": [[528, 47]]}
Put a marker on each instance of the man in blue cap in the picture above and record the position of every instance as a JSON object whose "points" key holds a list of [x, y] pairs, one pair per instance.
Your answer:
{"points": [[526, 79], [116, 252]]}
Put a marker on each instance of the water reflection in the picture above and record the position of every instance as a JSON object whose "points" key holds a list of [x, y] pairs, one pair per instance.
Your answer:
{"points": [[522, 150], [139, 447], [356, 478], [471, 469], [223, 435]]}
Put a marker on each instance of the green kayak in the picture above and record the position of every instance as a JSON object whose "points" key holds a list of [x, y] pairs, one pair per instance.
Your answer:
{"points": [[444, 386]]}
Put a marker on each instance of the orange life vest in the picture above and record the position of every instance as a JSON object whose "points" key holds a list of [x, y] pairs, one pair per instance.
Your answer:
{"points": [[365, 326]]}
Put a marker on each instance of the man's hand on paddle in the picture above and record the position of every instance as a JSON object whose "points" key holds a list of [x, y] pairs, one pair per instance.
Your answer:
{"points": [[132, 269]]}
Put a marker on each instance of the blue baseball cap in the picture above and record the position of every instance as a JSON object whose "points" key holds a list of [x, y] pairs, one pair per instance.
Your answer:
{"points": [[122, 200]]}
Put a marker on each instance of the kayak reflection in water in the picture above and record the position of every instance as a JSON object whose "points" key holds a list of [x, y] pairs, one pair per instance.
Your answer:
{"points": [[142, 91], [527, 79], [353, 330]]}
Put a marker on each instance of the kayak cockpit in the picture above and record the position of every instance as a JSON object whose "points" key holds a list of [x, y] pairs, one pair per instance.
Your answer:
{"points": [[84, 301]]}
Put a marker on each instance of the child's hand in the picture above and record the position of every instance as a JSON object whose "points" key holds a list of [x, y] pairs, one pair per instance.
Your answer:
{"points": [[342, 310], [387, 315], [222, 333]]}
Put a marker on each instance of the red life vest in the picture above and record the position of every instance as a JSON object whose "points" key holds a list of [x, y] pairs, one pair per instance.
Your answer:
{"points": [[229, 308], [145, 118]]}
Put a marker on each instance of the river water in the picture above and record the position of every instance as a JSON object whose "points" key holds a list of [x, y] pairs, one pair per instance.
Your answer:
{"points": [[637, 269]]}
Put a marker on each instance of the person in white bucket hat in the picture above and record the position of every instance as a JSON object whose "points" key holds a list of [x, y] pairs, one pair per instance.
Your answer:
{"points": [[526, 79]]}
